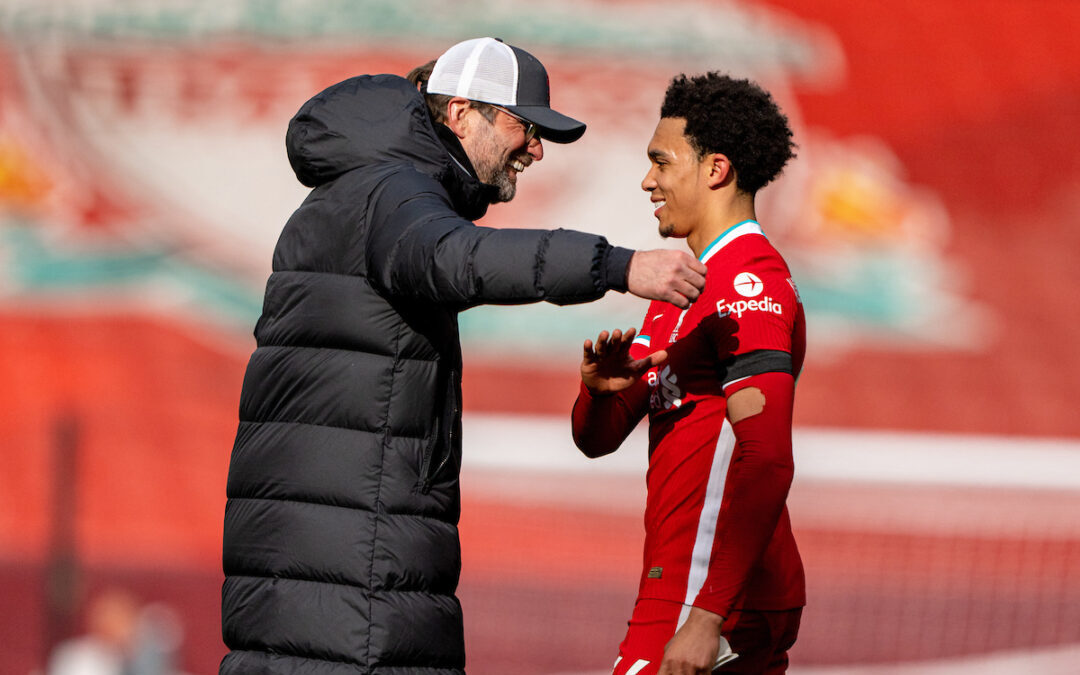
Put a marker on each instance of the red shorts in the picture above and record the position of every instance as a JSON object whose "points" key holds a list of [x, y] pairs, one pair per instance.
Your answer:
{"points": [[760, 638]]}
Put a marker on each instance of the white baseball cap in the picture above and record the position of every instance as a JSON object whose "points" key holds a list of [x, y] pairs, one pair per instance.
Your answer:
{"points": [[490, 71]]}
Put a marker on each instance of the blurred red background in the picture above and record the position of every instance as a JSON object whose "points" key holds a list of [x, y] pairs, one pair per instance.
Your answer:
{"points": [[978, 102]]}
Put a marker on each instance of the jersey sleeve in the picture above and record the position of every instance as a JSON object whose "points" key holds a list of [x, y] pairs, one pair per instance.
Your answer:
{"points": [[754, 497], [758, 312], [642, 345], [601, 423]]}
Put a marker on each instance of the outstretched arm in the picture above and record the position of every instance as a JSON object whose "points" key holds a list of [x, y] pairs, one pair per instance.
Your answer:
{"points": [[418, 246]]}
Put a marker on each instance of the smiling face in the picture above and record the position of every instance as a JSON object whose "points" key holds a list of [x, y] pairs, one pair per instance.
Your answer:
{"points": [[499, 150], [677, 181]]}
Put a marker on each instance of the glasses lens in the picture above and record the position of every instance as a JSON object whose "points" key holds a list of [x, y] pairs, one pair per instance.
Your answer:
{"points": [[531, 131]]}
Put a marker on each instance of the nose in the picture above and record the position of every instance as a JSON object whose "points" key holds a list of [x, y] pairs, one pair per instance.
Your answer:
{"points": [[535, 149], [648, 183]]}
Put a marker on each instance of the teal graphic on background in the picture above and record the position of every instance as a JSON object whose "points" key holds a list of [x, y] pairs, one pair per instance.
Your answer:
{"points": [[41, 270]]}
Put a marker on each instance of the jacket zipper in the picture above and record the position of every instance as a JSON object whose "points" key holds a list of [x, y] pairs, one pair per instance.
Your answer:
{"points": [[449, 450], [429, 452]]}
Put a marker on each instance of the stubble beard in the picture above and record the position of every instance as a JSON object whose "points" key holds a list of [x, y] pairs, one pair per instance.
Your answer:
{"points": [[501, 180], [491, 167]]}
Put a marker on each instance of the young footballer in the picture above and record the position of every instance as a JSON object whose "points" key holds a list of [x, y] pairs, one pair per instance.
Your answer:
{"points": [[722, 584]]}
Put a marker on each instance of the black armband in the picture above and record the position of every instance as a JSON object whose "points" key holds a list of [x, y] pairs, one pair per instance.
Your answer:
{"points": [[757, 362]]}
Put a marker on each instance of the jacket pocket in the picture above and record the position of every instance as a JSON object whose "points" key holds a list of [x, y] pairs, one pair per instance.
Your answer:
{"points": [[440, 446], [426, 460]]}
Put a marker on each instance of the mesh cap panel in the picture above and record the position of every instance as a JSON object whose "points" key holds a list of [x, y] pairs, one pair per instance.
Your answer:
{"points": [[483, 69], [491, 71]]}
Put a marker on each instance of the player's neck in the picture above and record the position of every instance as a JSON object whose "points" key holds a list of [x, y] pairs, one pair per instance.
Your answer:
{"points": [[719, 220]]}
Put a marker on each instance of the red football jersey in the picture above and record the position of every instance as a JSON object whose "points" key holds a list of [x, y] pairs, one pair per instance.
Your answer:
{"points": [[748, 321]]}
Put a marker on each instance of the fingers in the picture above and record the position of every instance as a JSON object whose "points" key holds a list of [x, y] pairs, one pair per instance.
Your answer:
{"points": [[691, 290], [588, 355], [683, 294], [610, 343], [651, 361], [600, 348], [623, 340], [672, 276], [626, 341], [693, 282], [695, 272], [679, 300], [656, 358]]}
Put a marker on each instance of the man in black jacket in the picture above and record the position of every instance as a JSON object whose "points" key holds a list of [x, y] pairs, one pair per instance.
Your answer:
{"points": [[341, 550]]}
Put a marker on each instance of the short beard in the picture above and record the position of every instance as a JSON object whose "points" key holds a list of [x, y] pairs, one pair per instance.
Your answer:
{"points": [[501, 180], [491, 169]]}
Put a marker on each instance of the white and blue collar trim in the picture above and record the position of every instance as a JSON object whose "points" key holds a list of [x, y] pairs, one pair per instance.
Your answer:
{"points": [[730, 235]]}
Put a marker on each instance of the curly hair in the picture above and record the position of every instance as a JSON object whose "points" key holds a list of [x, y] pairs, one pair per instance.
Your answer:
{"points": [[736, 118]]}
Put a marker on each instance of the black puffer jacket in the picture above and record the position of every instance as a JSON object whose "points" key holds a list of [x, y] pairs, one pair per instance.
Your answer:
{"points": [[341, 550]]}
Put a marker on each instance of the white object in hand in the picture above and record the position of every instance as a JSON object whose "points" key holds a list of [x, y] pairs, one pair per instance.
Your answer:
{"points": [[725, 654]]}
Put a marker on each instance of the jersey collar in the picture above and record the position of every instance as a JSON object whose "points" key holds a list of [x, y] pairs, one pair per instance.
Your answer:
{"points": [[730, 235]]}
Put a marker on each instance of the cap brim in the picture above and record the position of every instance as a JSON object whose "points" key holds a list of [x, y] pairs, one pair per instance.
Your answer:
{"points": [[554, 126]]}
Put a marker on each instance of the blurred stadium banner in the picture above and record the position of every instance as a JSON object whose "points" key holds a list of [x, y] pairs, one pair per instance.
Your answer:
{"points": [[931, 220]]}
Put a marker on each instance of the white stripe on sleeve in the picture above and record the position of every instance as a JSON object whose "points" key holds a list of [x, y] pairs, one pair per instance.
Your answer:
{"points": [[710, 511], [638, 666]]}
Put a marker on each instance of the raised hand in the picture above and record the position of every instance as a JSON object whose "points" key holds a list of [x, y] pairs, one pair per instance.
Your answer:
{"points": [[661, 274], [606, 366]]}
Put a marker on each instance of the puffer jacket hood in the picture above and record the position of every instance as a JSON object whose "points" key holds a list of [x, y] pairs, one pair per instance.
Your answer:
{"points": [[378, 119]]}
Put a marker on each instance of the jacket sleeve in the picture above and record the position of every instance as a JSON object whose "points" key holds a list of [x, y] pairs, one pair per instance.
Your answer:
{"points": [[417, 246]]}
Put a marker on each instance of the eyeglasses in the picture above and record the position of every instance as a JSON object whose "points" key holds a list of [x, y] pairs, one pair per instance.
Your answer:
{"points": [[531, 130]]}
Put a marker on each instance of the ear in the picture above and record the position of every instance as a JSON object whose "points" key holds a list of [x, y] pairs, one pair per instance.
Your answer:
{"points": [[720, 170], [457, 110]]}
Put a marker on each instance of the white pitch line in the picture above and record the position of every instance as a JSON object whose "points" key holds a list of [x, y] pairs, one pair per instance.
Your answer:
{"points": [[543, 443]]}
